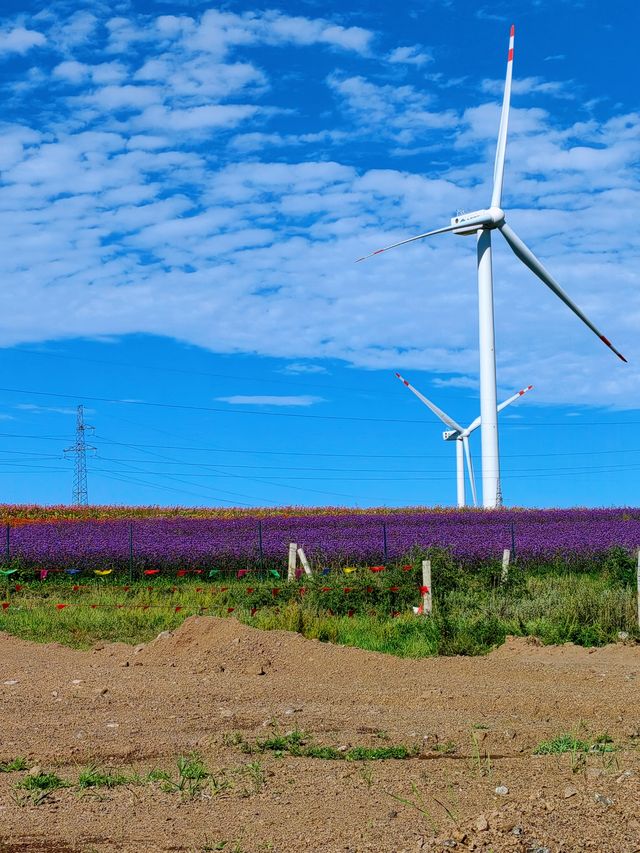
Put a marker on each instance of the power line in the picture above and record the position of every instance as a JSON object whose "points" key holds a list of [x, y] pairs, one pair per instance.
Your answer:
{"points": [[287, 380], [354, 418], [313, 454]]}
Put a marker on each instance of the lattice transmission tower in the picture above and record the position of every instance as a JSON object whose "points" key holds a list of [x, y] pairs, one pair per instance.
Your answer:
{"points": [[79, 450]]}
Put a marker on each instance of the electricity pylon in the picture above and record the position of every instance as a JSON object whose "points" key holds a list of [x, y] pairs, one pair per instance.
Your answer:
{"points": [[79, 450]]}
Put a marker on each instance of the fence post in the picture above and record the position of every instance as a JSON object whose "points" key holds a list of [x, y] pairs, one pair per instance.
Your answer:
{"points": [[293, 552], [638, 582], [506, 557], [427, 597], [304, 561], [8, 546], [130, 551]]}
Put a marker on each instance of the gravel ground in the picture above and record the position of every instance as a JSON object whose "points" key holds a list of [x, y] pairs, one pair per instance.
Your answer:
{"points": [[474, 783]]}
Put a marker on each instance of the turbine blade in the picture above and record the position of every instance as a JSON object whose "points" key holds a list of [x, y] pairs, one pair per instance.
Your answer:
{"points": [[501, 150], [529, 260], [514, 398], [472, 479], [411, 240], [473, 425], [444, 417]]}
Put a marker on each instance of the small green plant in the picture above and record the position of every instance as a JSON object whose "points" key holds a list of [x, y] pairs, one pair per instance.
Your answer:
{"points": [[92, 777], [570, 743], [366, 773], [157, 775], [14, 765], [192, 776], [40, 786], [481, 764], [253, 773], [297, 743], [447, 747], [416, 803]]}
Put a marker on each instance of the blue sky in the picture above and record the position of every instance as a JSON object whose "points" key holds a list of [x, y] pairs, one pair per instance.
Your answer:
{"points": [[184, 189]]}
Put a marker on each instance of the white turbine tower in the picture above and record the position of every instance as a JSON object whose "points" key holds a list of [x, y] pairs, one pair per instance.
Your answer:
{"points": [[482, 223], [461, 435]]}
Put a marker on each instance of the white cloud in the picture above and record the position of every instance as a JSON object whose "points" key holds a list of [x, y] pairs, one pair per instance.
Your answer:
{"points": [[266, 400], [410, 55], [299, 368], [531, 86], [168, 191], [398, 111], [195, 118], [217, 31], [258, 141], [34, 409], [20, 40]]}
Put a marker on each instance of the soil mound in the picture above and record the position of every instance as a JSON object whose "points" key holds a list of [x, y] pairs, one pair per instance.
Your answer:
{"points": [[225, 645]]}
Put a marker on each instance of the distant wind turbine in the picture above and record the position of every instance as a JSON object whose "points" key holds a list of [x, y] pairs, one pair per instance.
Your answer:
{"points": [[482, 223], [461, 437]]}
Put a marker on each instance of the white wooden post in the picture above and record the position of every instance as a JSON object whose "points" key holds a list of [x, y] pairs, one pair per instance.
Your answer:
{"points": [[293, 551], [506, 557], [304, 561], [427, 598], [638, 572]]}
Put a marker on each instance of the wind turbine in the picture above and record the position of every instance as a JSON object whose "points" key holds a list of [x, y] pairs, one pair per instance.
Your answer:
{"points": [[482, 223], [461, 437]]}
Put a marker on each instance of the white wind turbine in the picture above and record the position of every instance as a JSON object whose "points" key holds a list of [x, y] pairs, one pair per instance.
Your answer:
{"points": [[461, 437], [482, 223]]}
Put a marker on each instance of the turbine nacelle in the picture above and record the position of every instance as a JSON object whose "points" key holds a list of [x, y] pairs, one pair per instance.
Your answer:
{"points": [[470, 223], [451, 435]]}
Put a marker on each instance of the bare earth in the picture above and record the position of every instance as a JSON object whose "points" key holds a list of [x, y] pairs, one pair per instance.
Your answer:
{"points": [[134, 710]]}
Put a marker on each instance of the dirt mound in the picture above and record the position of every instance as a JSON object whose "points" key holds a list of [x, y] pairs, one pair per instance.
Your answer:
{"points": [[208, 643]]}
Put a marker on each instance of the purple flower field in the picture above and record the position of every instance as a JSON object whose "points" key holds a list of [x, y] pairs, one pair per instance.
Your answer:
{"points": [[186, 543]]}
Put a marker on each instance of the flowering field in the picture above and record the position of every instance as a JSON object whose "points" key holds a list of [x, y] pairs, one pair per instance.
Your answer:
{"points": [[328, 537]]}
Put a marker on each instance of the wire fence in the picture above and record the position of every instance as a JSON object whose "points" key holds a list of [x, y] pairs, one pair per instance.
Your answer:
{"points": [[198, 547]]}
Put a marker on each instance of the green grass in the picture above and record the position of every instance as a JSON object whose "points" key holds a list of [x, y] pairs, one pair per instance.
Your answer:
{"points": [[569, 743], [471, 613], [93, 777], [299, 744], [14, 765], [40, 786]]}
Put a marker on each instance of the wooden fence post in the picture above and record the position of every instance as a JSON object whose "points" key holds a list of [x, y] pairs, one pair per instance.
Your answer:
{"points": [[304, 561], [638, 581], [506, 557], [293, 552], [427, 598]]}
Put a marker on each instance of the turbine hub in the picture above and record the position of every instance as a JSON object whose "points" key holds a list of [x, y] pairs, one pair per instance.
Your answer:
{"points": [[476, 220], [497, 215]]}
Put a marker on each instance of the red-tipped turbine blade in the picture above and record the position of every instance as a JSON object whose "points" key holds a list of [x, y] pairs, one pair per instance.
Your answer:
{"points": [[412, 239], [527, 257], [501, 149]]}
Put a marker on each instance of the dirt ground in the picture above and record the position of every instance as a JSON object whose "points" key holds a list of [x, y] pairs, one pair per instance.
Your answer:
{"points": [[476, 722]]}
